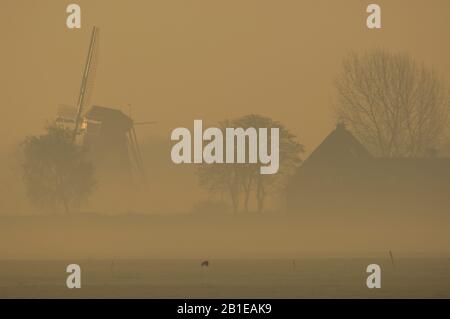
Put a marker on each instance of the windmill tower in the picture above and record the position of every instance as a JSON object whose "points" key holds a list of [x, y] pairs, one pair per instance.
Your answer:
{"points": [[107, 133]]}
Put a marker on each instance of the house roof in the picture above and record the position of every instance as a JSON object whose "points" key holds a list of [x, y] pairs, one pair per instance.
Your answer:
{"points": [[341, 153], [339, 147]]}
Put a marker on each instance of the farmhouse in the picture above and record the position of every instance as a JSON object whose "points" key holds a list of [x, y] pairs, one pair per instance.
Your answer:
{"points": [[342, 176]]}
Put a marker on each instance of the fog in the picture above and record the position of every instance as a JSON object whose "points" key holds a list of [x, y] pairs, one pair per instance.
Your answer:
{"points": [[173, 62]]}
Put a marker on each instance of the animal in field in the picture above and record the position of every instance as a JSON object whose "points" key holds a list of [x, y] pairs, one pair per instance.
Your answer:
{"points": [[204, 263]]}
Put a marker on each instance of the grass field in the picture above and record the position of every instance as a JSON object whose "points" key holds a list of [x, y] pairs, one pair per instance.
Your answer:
{"points": [[227, 278], [251, 256]]}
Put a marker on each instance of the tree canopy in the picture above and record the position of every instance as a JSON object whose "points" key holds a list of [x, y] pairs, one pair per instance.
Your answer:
{"points": [[55, 170], [394, 105], [241, 180]]}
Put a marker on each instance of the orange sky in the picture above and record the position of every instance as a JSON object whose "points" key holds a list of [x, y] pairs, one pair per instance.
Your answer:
{"points": [[175, 61]]}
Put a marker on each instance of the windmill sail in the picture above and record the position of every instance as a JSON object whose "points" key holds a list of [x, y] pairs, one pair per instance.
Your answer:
{"points": [[84, 82], [66, 115], [91, 79], [136, 156]]}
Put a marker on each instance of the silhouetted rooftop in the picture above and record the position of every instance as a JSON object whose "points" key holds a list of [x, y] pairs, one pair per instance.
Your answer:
{"points": [[340, 146]]}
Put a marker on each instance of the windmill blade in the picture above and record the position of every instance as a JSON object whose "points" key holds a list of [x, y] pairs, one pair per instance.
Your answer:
{"points": [[133, 156], [90, 82], [84, 82], [66, 111], [140, 163]]}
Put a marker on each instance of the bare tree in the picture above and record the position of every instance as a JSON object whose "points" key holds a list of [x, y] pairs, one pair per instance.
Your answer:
{"points": [[395, 106], [243, 179]]}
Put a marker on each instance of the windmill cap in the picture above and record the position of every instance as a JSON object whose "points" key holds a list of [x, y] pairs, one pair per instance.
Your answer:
{"points": [[110, 115]]}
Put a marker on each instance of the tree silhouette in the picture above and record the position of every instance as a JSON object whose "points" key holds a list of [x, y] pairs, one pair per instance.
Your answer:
{"points": [[395, 106], [243, 179], [55, 171]]}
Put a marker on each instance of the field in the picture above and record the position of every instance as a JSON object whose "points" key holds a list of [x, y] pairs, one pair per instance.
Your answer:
{"points": [[251, 256], [227, 278]]}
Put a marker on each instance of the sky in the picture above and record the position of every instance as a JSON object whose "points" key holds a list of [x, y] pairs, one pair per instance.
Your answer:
{"points": [[176, 61]]}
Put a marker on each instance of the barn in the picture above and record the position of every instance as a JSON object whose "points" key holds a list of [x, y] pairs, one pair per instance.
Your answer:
{"points": [[341, 175]]}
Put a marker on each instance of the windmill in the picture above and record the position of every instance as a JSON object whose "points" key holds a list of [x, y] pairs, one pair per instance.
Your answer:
{"points": [[107, 133]]}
